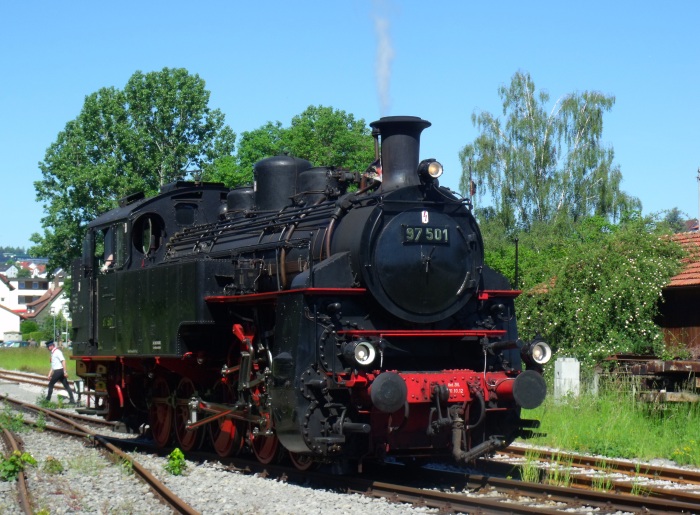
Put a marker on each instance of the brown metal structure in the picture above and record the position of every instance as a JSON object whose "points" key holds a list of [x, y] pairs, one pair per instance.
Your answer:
{"points": [[680, 317]]}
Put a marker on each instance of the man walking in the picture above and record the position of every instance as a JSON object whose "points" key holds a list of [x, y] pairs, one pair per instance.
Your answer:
{"points": [[58, 371]]}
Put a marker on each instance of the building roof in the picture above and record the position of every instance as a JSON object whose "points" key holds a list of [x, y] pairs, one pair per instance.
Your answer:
{"points": [[690, 275], [36, 307], [13, 312], [6, 281]]}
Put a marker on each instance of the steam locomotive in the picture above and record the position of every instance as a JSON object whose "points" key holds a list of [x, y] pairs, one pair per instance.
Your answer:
{"points": [[325, 315]]}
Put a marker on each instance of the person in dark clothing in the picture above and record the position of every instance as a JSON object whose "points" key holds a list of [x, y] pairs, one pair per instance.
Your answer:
{"points": [[58, 371]]}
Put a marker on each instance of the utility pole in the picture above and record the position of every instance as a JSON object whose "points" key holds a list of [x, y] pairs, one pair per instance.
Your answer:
{"points": [[53, 312], [698, 212]]}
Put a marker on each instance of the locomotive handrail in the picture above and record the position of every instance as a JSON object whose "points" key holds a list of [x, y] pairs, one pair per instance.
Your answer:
{"points": [[489, 294], [272, 296], [397, 333]]}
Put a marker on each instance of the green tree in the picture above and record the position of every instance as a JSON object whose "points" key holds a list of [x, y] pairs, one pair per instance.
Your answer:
{"points": [[330, 137], [322, 135], [540, 164], [675, 218], [28, 326], [157, 130], [172, 128]]}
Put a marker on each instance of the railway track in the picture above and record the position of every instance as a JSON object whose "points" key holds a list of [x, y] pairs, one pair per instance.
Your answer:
{"points": [[677, 475], [13, 445], [79, 430], [450, 492], [600, 473], [30, 378]]}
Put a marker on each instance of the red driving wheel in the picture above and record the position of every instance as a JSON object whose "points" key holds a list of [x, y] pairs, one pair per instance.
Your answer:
{"points": [[188, 438], [161, 412], [226, 434], [267, 449]]}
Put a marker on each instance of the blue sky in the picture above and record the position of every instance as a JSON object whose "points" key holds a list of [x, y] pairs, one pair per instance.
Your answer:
{"points": [[443, 60]]}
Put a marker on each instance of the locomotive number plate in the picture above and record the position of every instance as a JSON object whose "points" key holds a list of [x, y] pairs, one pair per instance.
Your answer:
{"points": [[425, 234]]}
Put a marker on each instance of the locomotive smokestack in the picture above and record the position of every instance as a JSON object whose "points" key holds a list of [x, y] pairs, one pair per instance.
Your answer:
{"points": [[400, 149]]}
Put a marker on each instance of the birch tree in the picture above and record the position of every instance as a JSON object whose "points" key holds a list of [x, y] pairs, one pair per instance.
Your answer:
{"points": [[541, 163]]}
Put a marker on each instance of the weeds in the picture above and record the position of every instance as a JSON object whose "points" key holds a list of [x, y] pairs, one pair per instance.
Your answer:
{"points": [[560, 473], [52, 466], [637, 487], [127, 466], [40, 423], [602, 481], [12, 421], [530, 470], [176, 464], [88, 464], [41, 401], [11, 466]]}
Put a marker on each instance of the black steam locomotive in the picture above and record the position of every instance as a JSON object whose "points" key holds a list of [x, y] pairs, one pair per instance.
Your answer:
{"points": [[326, 315]]}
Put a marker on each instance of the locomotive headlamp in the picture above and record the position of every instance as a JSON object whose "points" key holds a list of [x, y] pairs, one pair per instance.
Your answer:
{"points": [[429, 169], [541, 352], [361, 352]]}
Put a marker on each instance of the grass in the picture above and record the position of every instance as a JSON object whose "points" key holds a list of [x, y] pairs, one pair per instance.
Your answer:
{"points": [[33, 359], [613, 423], [559, 472]]}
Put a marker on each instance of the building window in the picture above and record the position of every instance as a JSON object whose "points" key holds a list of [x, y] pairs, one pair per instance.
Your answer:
{"points": [[35, 285]]}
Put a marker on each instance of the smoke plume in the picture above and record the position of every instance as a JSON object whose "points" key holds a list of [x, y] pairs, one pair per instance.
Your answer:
{"points": [[385, 54]]}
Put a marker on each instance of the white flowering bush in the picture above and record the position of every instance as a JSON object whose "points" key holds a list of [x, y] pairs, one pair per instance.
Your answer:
{"points": [[606, 293], [594, 291]]}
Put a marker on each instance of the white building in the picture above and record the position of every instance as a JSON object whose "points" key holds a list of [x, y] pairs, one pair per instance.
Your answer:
{"points": [[9, 323], [31, 298]]}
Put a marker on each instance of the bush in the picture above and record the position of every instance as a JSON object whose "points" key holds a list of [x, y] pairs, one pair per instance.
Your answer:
{"points": [[606, 294], [594, 291]]}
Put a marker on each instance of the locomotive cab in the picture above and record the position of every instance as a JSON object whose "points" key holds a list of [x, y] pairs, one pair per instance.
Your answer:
{"points": [[119, 278]]}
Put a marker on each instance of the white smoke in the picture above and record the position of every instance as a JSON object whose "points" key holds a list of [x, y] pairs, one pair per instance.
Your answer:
{"points": [[385, 54]]}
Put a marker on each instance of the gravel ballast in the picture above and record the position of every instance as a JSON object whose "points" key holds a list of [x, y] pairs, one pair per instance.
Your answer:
{"points": [[91, 484]]}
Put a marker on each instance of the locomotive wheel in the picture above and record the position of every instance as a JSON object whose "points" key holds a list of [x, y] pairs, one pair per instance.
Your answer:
{"points": [[188, 439], [226, 434], [161, 412], [301, 461], [267, 449]]}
